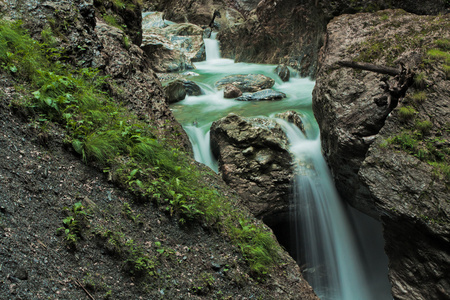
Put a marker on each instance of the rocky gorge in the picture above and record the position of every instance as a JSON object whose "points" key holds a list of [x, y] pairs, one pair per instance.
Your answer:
{"points": [[392, 164]]}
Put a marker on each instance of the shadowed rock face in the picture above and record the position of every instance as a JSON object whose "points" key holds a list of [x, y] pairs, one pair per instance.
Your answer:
{"points": [[254, 160], [366, 145]]}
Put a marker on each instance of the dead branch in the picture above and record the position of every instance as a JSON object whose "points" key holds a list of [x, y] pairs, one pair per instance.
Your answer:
{"points": [[369, 67]]}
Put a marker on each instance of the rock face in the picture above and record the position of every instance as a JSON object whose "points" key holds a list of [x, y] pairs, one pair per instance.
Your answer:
{"points": [[391, 164], [246, 83], [172, 47], [91, 42], [291, 32], [254, 160], [264, 95]]}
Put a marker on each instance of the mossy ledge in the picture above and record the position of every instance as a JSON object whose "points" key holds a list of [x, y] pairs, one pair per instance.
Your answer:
{"points": [[110, 137]]}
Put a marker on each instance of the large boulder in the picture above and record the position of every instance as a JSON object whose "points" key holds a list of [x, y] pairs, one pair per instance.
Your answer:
{"points": [[171, 47], [246, 83], [134, 84], [254, 160], [175, 91], [264, 95], [389, 163]]}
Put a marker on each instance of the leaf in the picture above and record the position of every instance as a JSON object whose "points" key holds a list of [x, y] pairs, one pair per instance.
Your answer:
{"points": [[37, 94], [161, 251], [13, 69], [132, 173]]}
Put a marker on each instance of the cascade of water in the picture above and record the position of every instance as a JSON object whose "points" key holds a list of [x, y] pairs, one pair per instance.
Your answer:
{"points": [[212, 48], [199, 137], [324, 238], [331, 257]]}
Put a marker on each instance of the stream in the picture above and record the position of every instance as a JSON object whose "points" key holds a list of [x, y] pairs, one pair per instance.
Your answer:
{"points": [[340, 250]]}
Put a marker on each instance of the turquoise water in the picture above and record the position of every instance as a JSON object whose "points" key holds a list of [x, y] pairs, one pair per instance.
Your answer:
{"points": [[326, 242]]}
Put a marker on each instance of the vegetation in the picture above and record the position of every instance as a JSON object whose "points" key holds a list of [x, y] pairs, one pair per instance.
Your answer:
{"points": [[106, 134], [74, 223]]}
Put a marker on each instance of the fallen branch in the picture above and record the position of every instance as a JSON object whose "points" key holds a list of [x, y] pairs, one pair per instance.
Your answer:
{"points": [[89, 295], [369, 67]]}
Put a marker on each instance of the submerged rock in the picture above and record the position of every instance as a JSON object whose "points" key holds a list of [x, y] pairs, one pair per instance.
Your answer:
{"points": [[246, 83], [267, 95], [254, 160]]}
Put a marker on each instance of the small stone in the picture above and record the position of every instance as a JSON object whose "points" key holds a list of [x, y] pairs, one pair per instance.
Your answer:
{"points": [[215, 266]]}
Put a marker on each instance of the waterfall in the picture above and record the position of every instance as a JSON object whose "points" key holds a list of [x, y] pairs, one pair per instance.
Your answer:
{"points": [[322, 233], [323, 236], [199, 137], [212, 48]]}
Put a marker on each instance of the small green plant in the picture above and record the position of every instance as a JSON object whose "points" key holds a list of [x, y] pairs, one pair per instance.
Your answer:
{"points": [[446, 71], [406, 113], [424, 126], [126, 41], [440, 55], [420, 80], [74, 223], [203, 284], [126, 208], [419, 97]]}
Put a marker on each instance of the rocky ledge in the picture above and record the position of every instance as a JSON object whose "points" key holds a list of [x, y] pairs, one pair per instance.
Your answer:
{"points": [[392, 162]]}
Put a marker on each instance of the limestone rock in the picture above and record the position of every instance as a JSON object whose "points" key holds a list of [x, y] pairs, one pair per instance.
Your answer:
{"points": [[175, 91], [231, 91], [172, 47], [375, 154], [283, 72], [264, 95], [246, 83], [254, 160], [192, 89]]}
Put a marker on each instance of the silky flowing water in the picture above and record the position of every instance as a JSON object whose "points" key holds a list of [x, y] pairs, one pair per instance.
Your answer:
{"points": [[341, 263]]}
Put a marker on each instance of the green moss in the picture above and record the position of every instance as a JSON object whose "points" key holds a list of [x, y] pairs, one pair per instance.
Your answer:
{"points": [[419, 97], [107, 134], [420, 80], [406, 113], [424, 126], [440, 55]]}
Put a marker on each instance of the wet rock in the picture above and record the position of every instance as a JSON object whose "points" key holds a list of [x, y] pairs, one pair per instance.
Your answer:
{"points": [[246, 83], [175, 91], [192, 89], [231, 91], [283, 72], [264, 95], [254, 160], [294, 118]]}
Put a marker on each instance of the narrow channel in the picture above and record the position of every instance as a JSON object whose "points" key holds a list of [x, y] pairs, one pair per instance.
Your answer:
{"points": [[327, 238]]}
